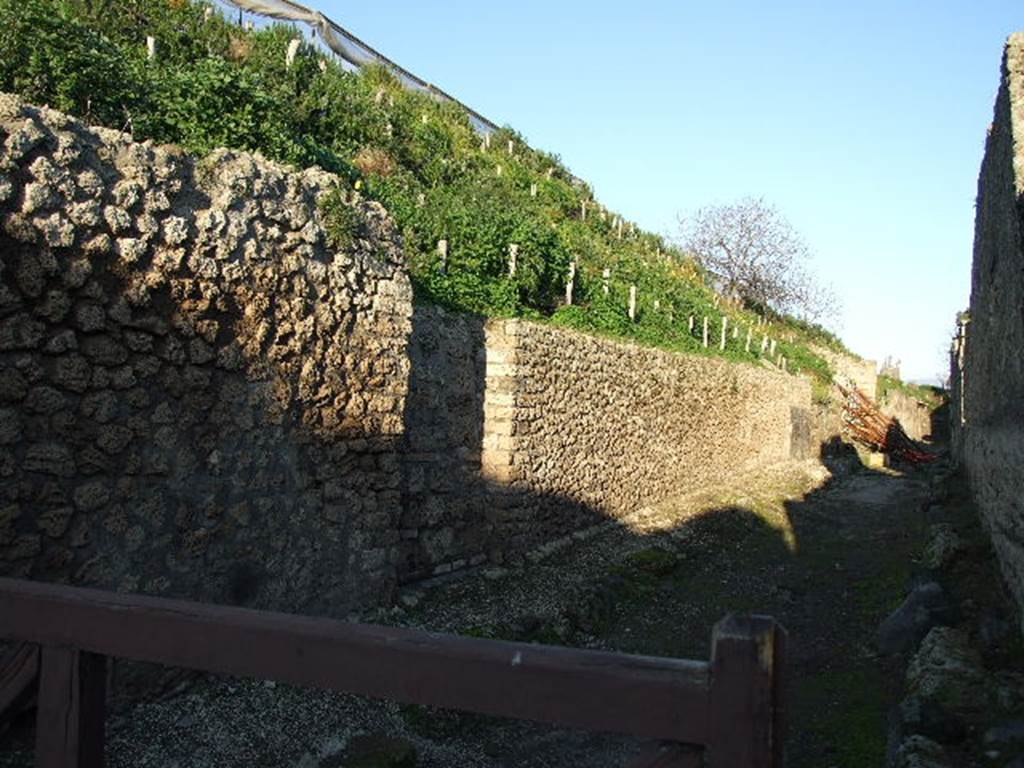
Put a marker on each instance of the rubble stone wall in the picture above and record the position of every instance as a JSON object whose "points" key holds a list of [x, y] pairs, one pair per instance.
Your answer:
{"points": [[989, 427], [914, 416], [198, 396], [201, 396]]}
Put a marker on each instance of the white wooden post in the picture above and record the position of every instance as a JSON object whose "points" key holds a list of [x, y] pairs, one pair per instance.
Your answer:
{"points": [[764, 343], [550, 172], [511, 148], [750, 332], [150, 47], [293, 49], [657, 305], [583, 210], [772, 353], [570, 282], [735, 332], [619, 226], [605, 276], [705, 331], [442, 251], [487, 141], [421, 200], [691, 323], [725, 325], [533, 190], [632, 302], [513, 252], [499, 170]]}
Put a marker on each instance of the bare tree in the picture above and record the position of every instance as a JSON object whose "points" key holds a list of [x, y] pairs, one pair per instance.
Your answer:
{"points": [[757, 256]]}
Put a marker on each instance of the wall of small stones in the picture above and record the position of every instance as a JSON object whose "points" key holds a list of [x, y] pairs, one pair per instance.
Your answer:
{"points": [[914, 416], [988, 418], [847, 368], [198, 396]]}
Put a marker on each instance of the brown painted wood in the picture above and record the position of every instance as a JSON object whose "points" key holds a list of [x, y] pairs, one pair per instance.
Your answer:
{"points": [[743, 694], [19, 674], [71, 710], [669, 755], [643, 696]]}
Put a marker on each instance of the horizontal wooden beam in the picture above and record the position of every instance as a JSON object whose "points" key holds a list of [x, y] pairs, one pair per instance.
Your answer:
{"points": [[638, 695]]}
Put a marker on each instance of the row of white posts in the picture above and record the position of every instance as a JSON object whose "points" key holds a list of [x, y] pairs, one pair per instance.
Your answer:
{"points": [[767, 347]]}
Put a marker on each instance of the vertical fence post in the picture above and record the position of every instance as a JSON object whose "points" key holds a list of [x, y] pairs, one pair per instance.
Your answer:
{"points": [[750, 333], [499, 170], [747, 716], [513, 254], [725, 325], [705, 331], [533, 190], [70, 714], [511, 148], [293, 49], [150, 47], [691, 323], [772, 352], [583, 210], [570, 282], [632, 302], [442, 251], [605, 277], [764, 343], [735, 332]]}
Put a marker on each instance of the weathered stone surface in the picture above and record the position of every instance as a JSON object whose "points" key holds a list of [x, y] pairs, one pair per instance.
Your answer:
{"points": [[925, 607], [948, 671], [921, 752], [159, 318], [943, 546], [987, 376]]}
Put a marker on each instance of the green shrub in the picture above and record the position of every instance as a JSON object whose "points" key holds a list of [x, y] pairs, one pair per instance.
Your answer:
{"points": [[214, 84]]}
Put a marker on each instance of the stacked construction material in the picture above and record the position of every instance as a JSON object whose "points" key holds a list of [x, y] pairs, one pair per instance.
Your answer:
{"points": [[866, 424]]}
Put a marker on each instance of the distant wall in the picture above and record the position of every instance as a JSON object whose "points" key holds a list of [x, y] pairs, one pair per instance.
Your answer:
{"points": [[863, 373], [198, 397], [988, 370], [914, 416]]}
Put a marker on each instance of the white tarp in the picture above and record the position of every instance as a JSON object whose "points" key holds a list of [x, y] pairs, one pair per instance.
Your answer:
{"points": [[350, 48]]}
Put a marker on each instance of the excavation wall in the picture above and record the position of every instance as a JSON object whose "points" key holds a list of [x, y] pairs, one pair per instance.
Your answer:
{"points": [[988, 364], [201, 396]]}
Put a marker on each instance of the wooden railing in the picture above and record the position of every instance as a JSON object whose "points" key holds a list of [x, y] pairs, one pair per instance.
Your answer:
{"points": [[730, 708]]}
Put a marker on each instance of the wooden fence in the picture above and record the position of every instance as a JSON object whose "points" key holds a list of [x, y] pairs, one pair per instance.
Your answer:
{"points": [[728, 710]]}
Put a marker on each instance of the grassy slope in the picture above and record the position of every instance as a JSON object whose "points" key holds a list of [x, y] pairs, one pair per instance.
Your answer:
{"points": [[214, 84]]}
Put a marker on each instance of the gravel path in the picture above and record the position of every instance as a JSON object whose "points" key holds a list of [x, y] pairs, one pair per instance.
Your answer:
{"points": [[817, 550]]}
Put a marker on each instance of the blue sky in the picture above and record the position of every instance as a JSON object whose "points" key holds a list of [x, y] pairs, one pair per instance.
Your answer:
{"points": [[864, 123]]}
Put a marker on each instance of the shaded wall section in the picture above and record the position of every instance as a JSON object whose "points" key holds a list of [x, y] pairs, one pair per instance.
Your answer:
{"points": [[543, 432], [199, 397], [988, 375]]}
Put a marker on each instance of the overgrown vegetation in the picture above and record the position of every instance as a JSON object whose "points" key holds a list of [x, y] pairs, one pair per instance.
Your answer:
{"points": [[212, 83]]}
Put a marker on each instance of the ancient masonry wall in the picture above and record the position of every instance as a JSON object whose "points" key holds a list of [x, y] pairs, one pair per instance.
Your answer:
{"points": [[200, 397], [862, 373], [914, 416], [988, 418]]}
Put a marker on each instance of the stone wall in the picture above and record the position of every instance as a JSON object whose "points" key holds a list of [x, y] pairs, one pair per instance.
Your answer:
{"points": [[198, 396], [914, 416], [989, 428], [863, 373], [575, 430]]}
